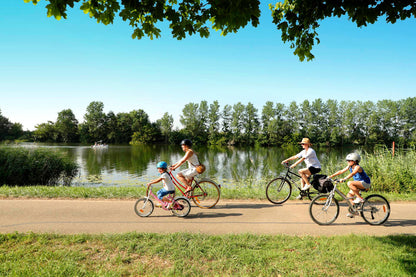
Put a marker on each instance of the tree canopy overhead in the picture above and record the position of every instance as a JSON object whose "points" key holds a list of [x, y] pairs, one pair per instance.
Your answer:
{"points": [[297, 20]]}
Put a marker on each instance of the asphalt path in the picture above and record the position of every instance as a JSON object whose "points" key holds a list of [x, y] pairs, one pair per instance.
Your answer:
{"points": [[228, 217]]}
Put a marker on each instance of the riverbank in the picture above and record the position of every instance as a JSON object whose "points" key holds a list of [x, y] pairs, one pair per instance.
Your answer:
{"points": [[133, 192]]}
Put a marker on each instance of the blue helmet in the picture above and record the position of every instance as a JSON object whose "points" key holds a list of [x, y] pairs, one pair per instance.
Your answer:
{"points": [[162, 165]]}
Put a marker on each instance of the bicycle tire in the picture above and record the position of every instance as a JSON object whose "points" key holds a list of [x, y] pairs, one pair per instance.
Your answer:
{"points": [[144, 207], [205, 194], [278, 190], [323, 210], [375, 209], [181, 206]]}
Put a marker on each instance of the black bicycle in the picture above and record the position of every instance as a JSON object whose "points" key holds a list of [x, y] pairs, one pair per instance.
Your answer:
{"points": [[279, 190]]}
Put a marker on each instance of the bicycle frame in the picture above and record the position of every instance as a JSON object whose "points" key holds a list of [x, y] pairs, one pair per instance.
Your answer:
{"points": [[340, 193], [163, 203], [182, 187]]}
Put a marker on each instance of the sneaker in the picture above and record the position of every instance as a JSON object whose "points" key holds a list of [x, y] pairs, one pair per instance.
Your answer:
{"points": [[358, 200], [306, 187], [169, 206], [351, 215], [299, 197]]}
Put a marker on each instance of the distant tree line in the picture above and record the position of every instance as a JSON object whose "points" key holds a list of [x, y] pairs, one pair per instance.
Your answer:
{"points": [[328, 122], [9, 130]]}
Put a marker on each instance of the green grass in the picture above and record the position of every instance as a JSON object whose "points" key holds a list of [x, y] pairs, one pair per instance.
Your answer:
{"points": [[178, 254], [132, 192]]}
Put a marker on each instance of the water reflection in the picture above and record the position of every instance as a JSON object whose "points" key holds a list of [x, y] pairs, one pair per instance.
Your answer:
{"points": [[134, 165]]}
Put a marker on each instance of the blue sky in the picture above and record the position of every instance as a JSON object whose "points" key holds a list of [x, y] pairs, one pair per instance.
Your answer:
{"points": [[48, 65]]}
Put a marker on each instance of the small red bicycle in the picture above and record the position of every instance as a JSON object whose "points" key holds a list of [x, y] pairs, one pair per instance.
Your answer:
{"points": [[179, 206]]}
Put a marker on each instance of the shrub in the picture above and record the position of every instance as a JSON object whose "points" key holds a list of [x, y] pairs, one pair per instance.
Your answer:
{"points": [[25, 167]]}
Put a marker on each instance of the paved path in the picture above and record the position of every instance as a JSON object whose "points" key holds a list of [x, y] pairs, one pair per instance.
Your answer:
{"points": [[259, 217]]}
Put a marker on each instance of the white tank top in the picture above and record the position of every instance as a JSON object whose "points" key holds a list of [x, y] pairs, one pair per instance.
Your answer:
{"points": [[193, 161]]}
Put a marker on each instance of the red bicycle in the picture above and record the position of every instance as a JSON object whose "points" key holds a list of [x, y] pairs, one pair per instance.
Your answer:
{"points": [[205, 193]]}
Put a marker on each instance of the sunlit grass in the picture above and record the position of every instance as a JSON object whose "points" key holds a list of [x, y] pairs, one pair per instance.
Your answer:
{"points": [[182, 254]]}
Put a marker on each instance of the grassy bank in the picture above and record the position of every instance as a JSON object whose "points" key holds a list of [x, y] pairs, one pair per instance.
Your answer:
{"points": [[137, 254], [133, 192]]}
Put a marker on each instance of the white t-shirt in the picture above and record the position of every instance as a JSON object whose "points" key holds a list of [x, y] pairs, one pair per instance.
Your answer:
{"points": [[167, 182], [310, 158]]}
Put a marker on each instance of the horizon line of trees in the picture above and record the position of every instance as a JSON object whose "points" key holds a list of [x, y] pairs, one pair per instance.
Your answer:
{"points": [[328, 122]]}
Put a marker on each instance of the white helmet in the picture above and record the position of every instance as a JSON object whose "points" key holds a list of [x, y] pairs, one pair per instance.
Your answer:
{"points": [[353, 157]]}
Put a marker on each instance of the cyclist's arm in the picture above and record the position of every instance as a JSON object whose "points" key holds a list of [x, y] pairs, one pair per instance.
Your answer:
{"points": [[339, 172], [290, 159], [188, 154], [355, 171], [154, 181], [297, 162]]}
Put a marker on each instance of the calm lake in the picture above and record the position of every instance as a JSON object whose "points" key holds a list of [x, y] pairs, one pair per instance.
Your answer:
{"points": [[125, 165]]}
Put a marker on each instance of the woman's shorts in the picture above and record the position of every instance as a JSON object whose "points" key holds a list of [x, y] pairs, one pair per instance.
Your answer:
{"points": [[162, 192], [366, 185], [189, 173], [314, 170]]}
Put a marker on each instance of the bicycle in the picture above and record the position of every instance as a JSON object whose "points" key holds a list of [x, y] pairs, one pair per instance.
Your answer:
{"points": [[205, 193], [179, 206], [324, 208], [279, 189]]}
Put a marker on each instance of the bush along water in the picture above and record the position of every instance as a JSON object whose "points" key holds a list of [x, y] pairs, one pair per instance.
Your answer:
{"points": [[25, 167], [389, 173]]}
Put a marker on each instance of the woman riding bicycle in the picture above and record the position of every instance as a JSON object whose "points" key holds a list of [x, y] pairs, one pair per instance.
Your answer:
{"points": [[313, 165], [186, 176]]}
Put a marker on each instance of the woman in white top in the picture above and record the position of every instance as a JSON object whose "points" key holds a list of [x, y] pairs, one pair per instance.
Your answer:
{"points": [[313, 165], [186, 176]]}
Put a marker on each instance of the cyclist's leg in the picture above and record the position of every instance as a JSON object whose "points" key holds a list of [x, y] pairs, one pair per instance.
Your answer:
{"points": [[304, 173], [355, 187], [182, 177]]}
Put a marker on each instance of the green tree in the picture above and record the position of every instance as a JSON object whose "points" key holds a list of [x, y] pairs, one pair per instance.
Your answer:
{"points": [[190, 119], [67, 126], [203, 118], [334, 123], [226, 123], [408, 116], [5, 127], [293, 116], [213, 122], [95, 122], [237, 123], [112, 126], [46, 132], [298, 20], [166, 126], [267, 115], [251, 123]]}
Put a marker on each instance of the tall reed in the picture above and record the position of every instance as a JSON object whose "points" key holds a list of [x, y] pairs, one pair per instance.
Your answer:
{"points": [[388, 173], [24, 167]]}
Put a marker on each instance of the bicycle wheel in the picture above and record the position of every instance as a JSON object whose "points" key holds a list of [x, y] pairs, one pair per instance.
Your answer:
{"points": [[181, 206], [144, 207], [278, 190], [205, 194], [323, 209], [375, 210]]}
